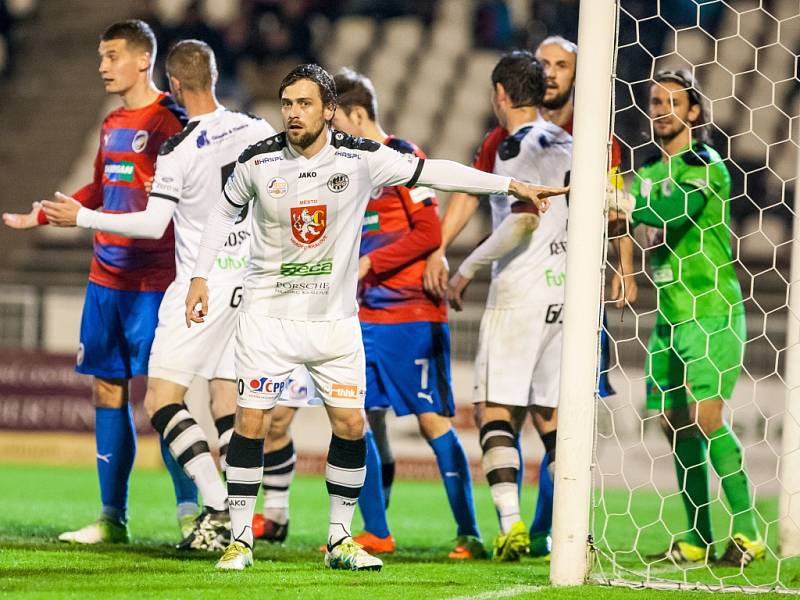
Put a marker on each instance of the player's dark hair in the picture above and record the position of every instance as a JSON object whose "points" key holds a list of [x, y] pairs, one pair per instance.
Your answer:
{"points": [[354, 89], [688, 83], [135, 33], [522, 77], [192, 62], [315, 73]]}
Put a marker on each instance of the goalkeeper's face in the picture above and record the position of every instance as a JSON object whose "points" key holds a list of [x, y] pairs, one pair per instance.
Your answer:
{"points": [[670, 110], [121, 65], [304, 115]]}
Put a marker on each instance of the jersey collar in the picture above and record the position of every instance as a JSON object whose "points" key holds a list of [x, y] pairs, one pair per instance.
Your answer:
{"points": [[537, 121], [211, 115], [295, 154]]}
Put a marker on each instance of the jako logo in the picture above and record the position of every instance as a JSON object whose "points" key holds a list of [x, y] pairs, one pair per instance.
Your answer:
{"points": [[267, 385]]}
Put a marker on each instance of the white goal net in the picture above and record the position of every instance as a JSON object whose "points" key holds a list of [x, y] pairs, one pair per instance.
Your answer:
{"points": [[743, 55]]}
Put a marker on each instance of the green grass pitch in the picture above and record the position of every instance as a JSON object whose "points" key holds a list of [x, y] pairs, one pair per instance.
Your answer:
{"points": [[37, 503]]}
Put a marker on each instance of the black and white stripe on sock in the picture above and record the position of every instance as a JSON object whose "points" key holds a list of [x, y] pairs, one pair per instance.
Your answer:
{"points": [[345, 472]]}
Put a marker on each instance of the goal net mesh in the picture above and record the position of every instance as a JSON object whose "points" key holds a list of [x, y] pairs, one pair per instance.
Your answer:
{"points": [[744, 56]]}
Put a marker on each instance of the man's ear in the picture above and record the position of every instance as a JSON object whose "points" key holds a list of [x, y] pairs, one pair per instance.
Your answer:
{"points": [[328, 111], [144, 61]]}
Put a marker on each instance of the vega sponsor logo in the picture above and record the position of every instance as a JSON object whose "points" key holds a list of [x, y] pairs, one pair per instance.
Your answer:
{"points": [[307, 269], [119, 171], [342, 391], [372, 221], [553, 279]]}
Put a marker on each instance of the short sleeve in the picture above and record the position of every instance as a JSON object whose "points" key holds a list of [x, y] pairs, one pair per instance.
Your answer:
{"points": [[238, 189], [168, 178], [390, 167]]}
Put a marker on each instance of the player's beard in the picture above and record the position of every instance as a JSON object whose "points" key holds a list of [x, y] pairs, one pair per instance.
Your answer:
{"points": [[308, 138], [558, 101], [666, 136]]}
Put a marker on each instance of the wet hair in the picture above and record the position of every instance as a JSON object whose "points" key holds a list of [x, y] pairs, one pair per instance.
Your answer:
{"points": [[688, 83], [354, 89], [135, 32], [315, 73], [192, 62], [522, 77]]}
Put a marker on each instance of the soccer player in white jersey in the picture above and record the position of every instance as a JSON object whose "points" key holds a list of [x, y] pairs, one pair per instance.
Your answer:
{"points": [[519, 350], [309, 187], [191, 168]]}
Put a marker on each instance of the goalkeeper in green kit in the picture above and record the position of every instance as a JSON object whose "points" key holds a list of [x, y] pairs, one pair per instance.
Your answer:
{"points": [[696, 347]]}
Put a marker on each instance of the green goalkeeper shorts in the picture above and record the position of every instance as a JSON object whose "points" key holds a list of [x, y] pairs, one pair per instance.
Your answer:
{"points": [[693, 361]]}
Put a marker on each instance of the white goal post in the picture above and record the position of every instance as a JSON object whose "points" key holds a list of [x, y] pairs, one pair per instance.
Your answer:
{"points": [[577, 464]]}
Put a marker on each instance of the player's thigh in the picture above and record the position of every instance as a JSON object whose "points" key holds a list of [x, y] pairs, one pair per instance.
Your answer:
{"points": [[546, 381], [179, 353], [263, 364], [376, 396], [664, 370], [102, 350], [414, 362], [507, 354], [139, 315], [336, 362], [712, 348]]}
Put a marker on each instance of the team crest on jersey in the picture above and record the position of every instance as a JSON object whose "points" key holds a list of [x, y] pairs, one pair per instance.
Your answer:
{"points": [[338, 182], [139, 142], [277, 187], [309, 223]]}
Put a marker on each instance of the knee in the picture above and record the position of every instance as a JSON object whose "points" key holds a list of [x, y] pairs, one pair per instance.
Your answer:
{"points": [[348, 425], [251, 422], [110, 393], [432, 425]]}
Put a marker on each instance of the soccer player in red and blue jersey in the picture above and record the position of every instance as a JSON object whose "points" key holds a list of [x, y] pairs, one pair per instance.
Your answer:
{"points": [[405, 331], [128, 277]]}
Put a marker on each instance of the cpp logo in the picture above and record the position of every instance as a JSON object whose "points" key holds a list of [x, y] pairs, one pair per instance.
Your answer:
{"points": [[263, 385]]}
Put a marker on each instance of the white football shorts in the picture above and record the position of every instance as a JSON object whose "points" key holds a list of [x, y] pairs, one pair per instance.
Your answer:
{"points": [[299, 391], [180, 353], [519, 356], [269, 349]]}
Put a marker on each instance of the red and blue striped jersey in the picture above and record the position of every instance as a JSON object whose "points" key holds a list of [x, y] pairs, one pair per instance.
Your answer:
{"points": [[129, 144], [401, 228]]}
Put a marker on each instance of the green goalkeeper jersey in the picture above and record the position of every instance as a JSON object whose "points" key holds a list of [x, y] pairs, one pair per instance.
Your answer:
{"points": [[685, 204]]}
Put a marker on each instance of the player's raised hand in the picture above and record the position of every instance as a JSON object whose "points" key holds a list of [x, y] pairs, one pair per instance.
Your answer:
{"points": [[434, 278], [624, 290], [538, 194], [197, 301], [455, 291], [23, 221], [62, 210]]}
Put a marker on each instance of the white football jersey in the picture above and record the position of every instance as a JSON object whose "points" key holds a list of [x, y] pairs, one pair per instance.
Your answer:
{"points": [[307, 217], [535, 271], [191, 170]]}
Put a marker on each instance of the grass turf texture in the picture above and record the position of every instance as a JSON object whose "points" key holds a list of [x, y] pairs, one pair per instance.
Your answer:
{"points": [[40, 502]]}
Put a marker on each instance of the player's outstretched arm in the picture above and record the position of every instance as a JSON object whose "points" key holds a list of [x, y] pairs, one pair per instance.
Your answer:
{"points": [[150, 223], [450, 176], [23, 221], [514, 230]]}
